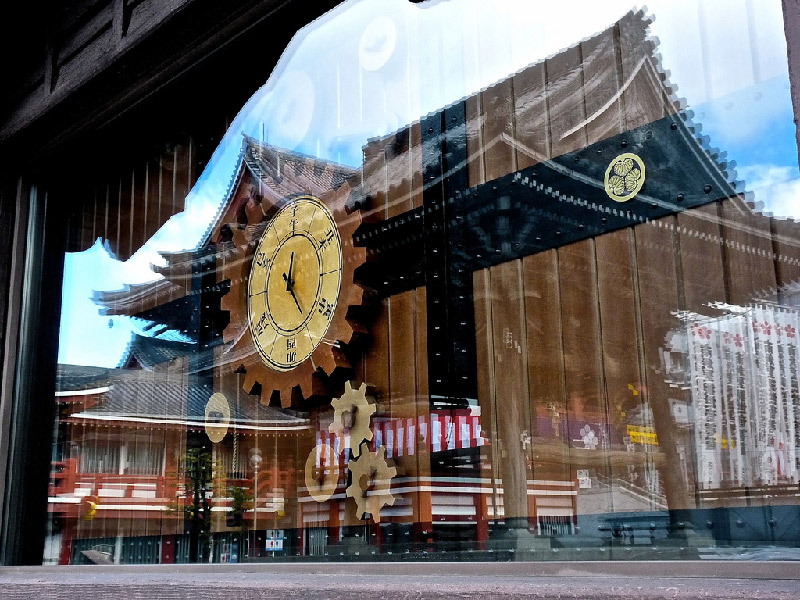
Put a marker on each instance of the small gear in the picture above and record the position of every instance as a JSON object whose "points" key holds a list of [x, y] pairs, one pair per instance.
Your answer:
{"points": [[322, 473], [371, 480], [353, 412]]}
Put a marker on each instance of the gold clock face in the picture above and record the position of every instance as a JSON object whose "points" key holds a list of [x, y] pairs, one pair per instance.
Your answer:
{"points": [[294, 283]]}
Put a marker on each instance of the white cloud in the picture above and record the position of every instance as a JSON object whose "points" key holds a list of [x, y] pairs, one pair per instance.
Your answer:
{"points": [[777, 187]]}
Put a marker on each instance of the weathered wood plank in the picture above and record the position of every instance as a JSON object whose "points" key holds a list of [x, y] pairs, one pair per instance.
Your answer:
{"points": [[747, 252], [509, 344], [701, 258], [586, 401], [565, 101], [476, 162], [484, 335], [659, 295], [546, 366], [642, 97], [498, 130], [531, 131], [602, 81], [621, 345]]}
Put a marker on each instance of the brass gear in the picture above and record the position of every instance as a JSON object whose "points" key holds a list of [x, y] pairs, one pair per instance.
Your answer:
{"points": [[344, 332], [321, 480], [371, 480], [356, 407]]}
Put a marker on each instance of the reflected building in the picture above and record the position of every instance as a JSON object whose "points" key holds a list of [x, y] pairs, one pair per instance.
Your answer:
{"points": [[551, 331]]}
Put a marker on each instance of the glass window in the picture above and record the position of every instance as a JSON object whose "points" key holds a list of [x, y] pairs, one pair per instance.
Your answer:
{"points": [[462, 280]]}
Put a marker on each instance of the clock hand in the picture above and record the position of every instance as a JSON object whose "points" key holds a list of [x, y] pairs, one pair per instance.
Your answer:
{"points": [[291, 291], [288, 278]]}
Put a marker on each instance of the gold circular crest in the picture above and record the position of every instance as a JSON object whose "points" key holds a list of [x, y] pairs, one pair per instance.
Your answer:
{"points": [[218, 417], [294, 283], [624, 177], [321, 473]]}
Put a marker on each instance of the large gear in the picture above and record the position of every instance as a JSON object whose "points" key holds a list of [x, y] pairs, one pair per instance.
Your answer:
{"points": [[352, 413], [371, 480], [250, 213]]}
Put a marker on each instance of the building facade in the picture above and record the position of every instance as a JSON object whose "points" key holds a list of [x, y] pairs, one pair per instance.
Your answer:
{"points": [[401, 281]]}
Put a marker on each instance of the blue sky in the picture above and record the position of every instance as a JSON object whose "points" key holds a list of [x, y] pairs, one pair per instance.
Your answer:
{"points": [[370, 66]]}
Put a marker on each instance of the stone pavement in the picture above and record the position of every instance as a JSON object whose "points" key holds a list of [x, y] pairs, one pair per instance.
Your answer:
{"points": [[310, 581]]}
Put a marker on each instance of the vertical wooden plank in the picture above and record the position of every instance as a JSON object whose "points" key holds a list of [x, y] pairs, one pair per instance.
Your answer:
{"points": [[509, 343], [194, 170], [89, 219], [786, 245], [112, 215], [621, 350], [484, 334], [750, 268], [423, 510], [402, 381], [565, 101], [125, 214], [658, 294], [182, 176], [642, 98], [531, 132], [376, 358], [701, 258], [602, 82], [401, 364], [476, 167], [546, 366], [139, 207], [165, 185], [373, 180], [586, 400], [98, 214], [399, 174], [416, 165], [152, 198], [498, 129]]}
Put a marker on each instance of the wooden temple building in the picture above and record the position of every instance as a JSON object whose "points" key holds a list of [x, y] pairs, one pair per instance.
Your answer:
{"points": [[533, 345]]}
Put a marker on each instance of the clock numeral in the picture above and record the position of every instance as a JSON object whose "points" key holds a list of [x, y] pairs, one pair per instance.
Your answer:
{"points": [[291, 356], [262, 324], [327, 239], [325, 308], [261, 259]]}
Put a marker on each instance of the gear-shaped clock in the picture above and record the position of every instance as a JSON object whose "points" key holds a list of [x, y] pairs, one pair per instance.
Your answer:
{"points": [[293, 301]]}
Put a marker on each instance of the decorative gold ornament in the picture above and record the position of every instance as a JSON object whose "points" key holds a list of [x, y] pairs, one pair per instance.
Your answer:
{"points": [[322, 472], [371, 481], [352, 413], [218, 417], [624, 177]]}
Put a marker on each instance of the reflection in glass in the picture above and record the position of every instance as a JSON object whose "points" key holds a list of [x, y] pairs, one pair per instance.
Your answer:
{"points": [[564, 327]]}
